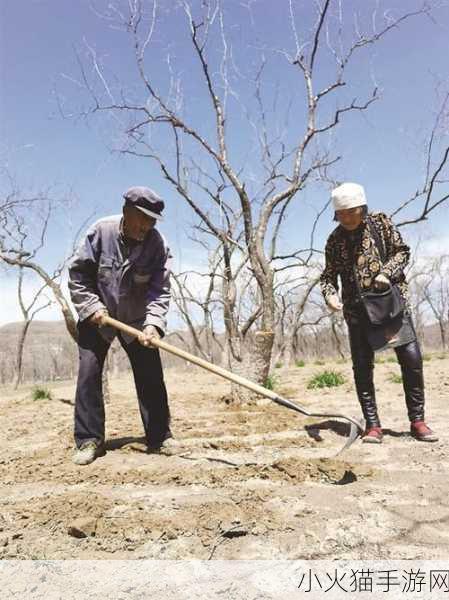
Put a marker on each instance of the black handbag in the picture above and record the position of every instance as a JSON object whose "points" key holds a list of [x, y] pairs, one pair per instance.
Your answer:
{"points": [[382, 306]]}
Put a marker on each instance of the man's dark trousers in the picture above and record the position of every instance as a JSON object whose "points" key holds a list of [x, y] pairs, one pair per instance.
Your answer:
{"points": [[148, 377]]}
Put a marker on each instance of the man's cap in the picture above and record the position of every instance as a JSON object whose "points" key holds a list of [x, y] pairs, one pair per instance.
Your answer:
{"points": [[145, 200], [348, 195]]}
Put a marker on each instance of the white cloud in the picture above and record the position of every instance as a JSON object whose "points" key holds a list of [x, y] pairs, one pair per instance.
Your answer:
{"points": [[434, 246], [9, 304]]}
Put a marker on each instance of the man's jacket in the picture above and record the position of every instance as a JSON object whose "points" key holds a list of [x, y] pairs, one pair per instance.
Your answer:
{"points": [[131, 281]]}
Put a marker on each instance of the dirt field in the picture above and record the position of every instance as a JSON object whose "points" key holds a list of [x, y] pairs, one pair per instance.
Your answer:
{"points": [[251, 482]]}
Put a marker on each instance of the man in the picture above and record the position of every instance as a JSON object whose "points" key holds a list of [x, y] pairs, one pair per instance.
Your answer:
{"points": [[353, 254], [121, 269]]}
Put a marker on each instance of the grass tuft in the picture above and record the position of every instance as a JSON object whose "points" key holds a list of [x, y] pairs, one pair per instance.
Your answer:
{"points": [[395, 378], [41, 393], [271, 382], [326, 379]]}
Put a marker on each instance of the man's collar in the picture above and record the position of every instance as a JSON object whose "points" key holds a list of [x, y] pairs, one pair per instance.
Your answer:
{"points": [[125, 240]]}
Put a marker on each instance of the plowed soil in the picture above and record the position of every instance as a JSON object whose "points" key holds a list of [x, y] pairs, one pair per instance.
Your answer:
{"points": [[249, 481]]}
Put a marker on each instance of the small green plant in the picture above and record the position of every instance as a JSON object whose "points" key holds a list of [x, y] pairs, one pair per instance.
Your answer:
{"points": [[392, 359], [271, 382], [379, 360], [395, 378], [300, 363], [278, 365], [319, 363], [427, 357], [40, 393], [326, 379]]}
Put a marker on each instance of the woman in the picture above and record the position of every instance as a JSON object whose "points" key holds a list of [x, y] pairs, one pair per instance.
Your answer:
{"points": [[368, 253]]}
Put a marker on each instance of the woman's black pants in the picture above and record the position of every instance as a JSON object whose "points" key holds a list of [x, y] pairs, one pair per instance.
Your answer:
{"points": [[410, 360]]}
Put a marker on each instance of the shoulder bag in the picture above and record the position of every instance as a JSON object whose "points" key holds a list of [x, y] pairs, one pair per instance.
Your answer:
{"points": [[383, 306]]}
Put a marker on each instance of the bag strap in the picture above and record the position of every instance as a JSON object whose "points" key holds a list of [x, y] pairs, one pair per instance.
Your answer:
{"points": [[354, 271], [357, 283], [377, 239], [380, 247]]}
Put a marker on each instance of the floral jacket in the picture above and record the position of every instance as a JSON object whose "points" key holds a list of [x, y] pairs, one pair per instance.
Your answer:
{"points": [[344, 249]]}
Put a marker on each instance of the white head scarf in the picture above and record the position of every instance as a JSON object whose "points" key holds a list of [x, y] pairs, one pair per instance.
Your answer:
{"points": [[348, 195]]}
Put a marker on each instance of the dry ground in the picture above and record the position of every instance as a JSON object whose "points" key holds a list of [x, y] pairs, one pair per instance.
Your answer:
{"points": [[253, 481]]}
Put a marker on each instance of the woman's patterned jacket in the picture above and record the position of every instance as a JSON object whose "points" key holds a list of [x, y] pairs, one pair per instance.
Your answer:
{"points": [[344, 249]]}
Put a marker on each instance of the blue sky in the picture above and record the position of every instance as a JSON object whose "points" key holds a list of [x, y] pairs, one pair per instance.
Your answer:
{"points": [[382, 149]]}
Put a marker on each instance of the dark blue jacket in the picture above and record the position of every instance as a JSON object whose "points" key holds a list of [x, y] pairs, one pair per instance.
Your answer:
{"points": [[131, 282]]}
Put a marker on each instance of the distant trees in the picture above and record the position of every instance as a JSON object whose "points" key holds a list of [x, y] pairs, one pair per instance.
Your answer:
{"points": [[253, 299], [27, 226], [24, 234], [431, 293], [29, 310], [242, 202]]}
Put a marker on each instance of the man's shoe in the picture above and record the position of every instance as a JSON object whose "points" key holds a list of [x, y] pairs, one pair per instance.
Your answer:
{"points": [[167, 447], [88, 452], [420, 431], [373, 435]]}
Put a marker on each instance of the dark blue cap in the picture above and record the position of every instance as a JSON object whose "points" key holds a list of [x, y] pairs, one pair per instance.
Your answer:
{"points": [[145, 200]]}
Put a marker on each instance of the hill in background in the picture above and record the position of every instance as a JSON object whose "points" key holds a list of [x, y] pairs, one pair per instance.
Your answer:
{"points": [[51, 354]]}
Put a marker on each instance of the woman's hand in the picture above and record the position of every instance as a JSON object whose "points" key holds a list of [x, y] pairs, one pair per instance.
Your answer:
{"points": [[334, 303], [381, 282]]}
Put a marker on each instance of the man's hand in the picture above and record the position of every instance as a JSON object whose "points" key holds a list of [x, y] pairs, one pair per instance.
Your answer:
{"points": [[334, 303], [97, 317], [381, 282], [149, 333]]}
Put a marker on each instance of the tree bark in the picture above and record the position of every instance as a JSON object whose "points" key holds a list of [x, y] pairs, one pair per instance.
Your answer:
{"points": [[105, 382], [338, 341], [20, 349], [67, 314], [253, 363]]}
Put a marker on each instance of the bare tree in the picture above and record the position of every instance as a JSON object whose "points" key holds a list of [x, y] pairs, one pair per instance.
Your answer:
{"points": [[415, 273], [433, 192], [20, 244], [243, 208], [29, 311], [435, 290], [196, 299], [23, 234], [297, 310]]}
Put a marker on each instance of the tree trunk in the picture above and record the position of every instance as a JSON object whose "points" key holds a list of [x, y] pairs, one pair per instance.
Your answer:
{"points": [[289, 351], [105, 382], [70, 321], [67, 314], [20, 349], [254, 363], [338, 341], [113, 359], [442, 334]]}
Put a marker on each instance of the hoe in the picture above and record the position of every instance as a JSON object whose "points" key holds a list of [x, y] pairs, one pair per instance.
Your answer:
{"points": [[356, 427]]}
